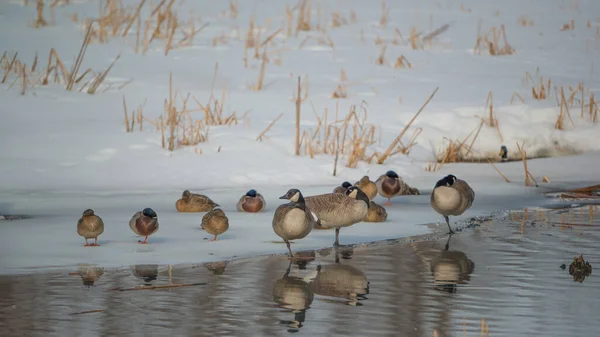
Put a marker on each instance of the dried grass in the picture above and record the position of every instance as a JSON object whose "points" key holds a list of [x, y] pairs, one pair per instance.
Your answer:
{"points": [[540, 90], [528, 176], [568, 26], [493, 43], [525, 21]]}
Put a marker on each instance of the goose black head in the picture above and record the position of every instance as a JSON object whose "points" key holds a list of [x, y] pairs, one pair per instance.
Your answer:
{"points": [[251, 193], [293, 195], [391, 174], [149, 212], [357, 193], [447, 181], [346, 184]]}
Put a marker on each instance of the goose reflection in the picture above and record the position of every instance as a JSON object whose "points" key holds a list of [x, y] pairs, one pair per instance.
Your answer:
{"points": [[450, 268], [293, 294], [304, 258], [146, 272], [341, 281], [89, 275]]}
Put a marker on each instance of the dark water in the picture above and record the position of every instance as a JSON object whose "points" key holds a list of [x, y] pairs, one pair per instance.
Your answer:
{"points": [[501, 278]]}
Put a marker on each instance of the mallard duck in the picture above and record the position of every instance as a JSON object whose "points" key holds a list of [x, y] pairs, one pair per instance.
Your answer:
{"points": [[146, 272], [192, 202], [251, 202], [389, 185], [376, 213], [342, 188], [292, 221], [451, 196], [215, 222], [367, 186], [89, 275], [144, 223], [90, 226], [450, 268], [335, 210]]}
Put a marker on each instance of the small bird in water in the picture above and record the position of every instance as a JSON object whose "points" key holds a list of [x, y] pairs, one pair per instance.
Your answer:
{"points": [[193, 202], [451, 196], [389, 185], [251, 202], [292, 221], [342, 188], [368, 186], [144, 223], [90, 226], [215, 222]]}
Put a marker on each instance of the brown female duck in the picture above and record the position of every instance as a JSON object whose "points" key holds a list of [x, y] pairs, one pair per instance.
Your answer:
{"points": [[215, 222], [368, 186], [251, 202], [90, 226], [192, 202], [144, 223], [376, 213]]}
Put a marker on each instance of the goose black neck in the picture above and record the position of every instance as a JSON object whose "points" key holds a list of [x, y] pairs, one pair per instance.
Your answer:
{"points": [[360, 195]]}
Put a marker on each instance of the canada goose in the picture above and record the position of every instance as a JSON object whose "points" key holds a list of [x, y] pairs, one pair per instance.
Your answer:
{"points": [[341, 281], [368, 186], [451, 196], [215, 222], [192, 202], [293, 294], [90, 226], [389, 185], [144, 223], [292, 221], [376, 213], [450, 268], [335, 210], [251, 202], [342, 188]]}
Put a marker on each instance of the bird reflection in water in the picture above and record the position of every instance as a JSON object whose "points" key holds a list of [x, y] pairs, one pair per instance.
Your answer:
{"points": [[146, 272], [304, 258], [450, 268], [217, 268], [89, 275], [294, 295], [341, 281]]}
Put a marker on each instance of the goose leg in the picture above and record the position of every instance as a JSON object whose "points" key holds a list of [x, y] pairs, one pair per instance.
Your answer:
{"points": [[448, 223], [447, 243], [337, 235], [287, 243]]}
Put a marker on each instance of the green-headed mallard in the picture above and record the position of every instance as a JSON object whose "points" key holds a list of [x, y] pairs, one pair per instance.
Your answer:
{"points": [[90, 226], [376, 213], [251, 202], [342, 188], [144, 223], [336, 210], [192, 202], [390, 185], [292, 221], [215, 222], [368, 186], [451, 196]]}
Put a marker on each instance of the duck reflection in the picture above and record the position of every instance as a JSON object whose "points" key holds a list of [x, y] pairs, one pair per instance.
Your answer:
{"points": [[217, 268], [293, 294], [146, 272], [450, 268], [341, 281], [89, 275]]}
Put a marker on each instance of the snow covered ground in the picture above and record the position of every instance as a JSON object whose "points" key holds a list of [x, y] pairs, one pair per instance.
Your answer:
{"points": [[63, 152]]}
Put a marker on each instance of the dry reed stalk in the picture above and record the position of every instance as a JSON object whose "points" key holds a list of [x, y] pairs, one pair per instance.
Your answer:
{"points": [[528, 174], [402, 62], [381, 159], [97, 81], [79, 59], [264, 132], [491, 42], [261, 75], [39, 20], [497, 170], [298, 110], [564, 110], [385, 13], [381, 59], [304, 14], [166, 286], [516, 95], [489, 102], [88, 312]]}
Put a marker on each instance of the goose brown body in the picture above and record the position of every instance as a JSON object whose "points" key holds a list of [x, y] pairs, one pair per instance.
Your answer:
{"points": [[367, 186], [215, 222], [193, 202], [90, 226], [451, 196], [144, 223]]}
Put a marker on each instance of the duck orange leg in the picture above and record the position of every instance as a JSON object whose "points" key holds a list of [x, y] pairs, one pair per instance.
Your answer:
{"points": [[86, 243], [144, 242], [389, 202], [95, 244], [214, 239]]}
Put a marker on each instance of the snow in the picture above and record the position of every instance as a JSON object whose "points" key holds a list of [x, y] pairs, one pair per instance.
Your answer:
{"points": [[63, 152]]}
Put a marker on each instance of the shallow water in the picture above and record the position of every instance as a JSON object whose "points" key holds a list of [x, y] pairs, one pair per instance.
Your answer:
{"points": [[501, 276]]}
